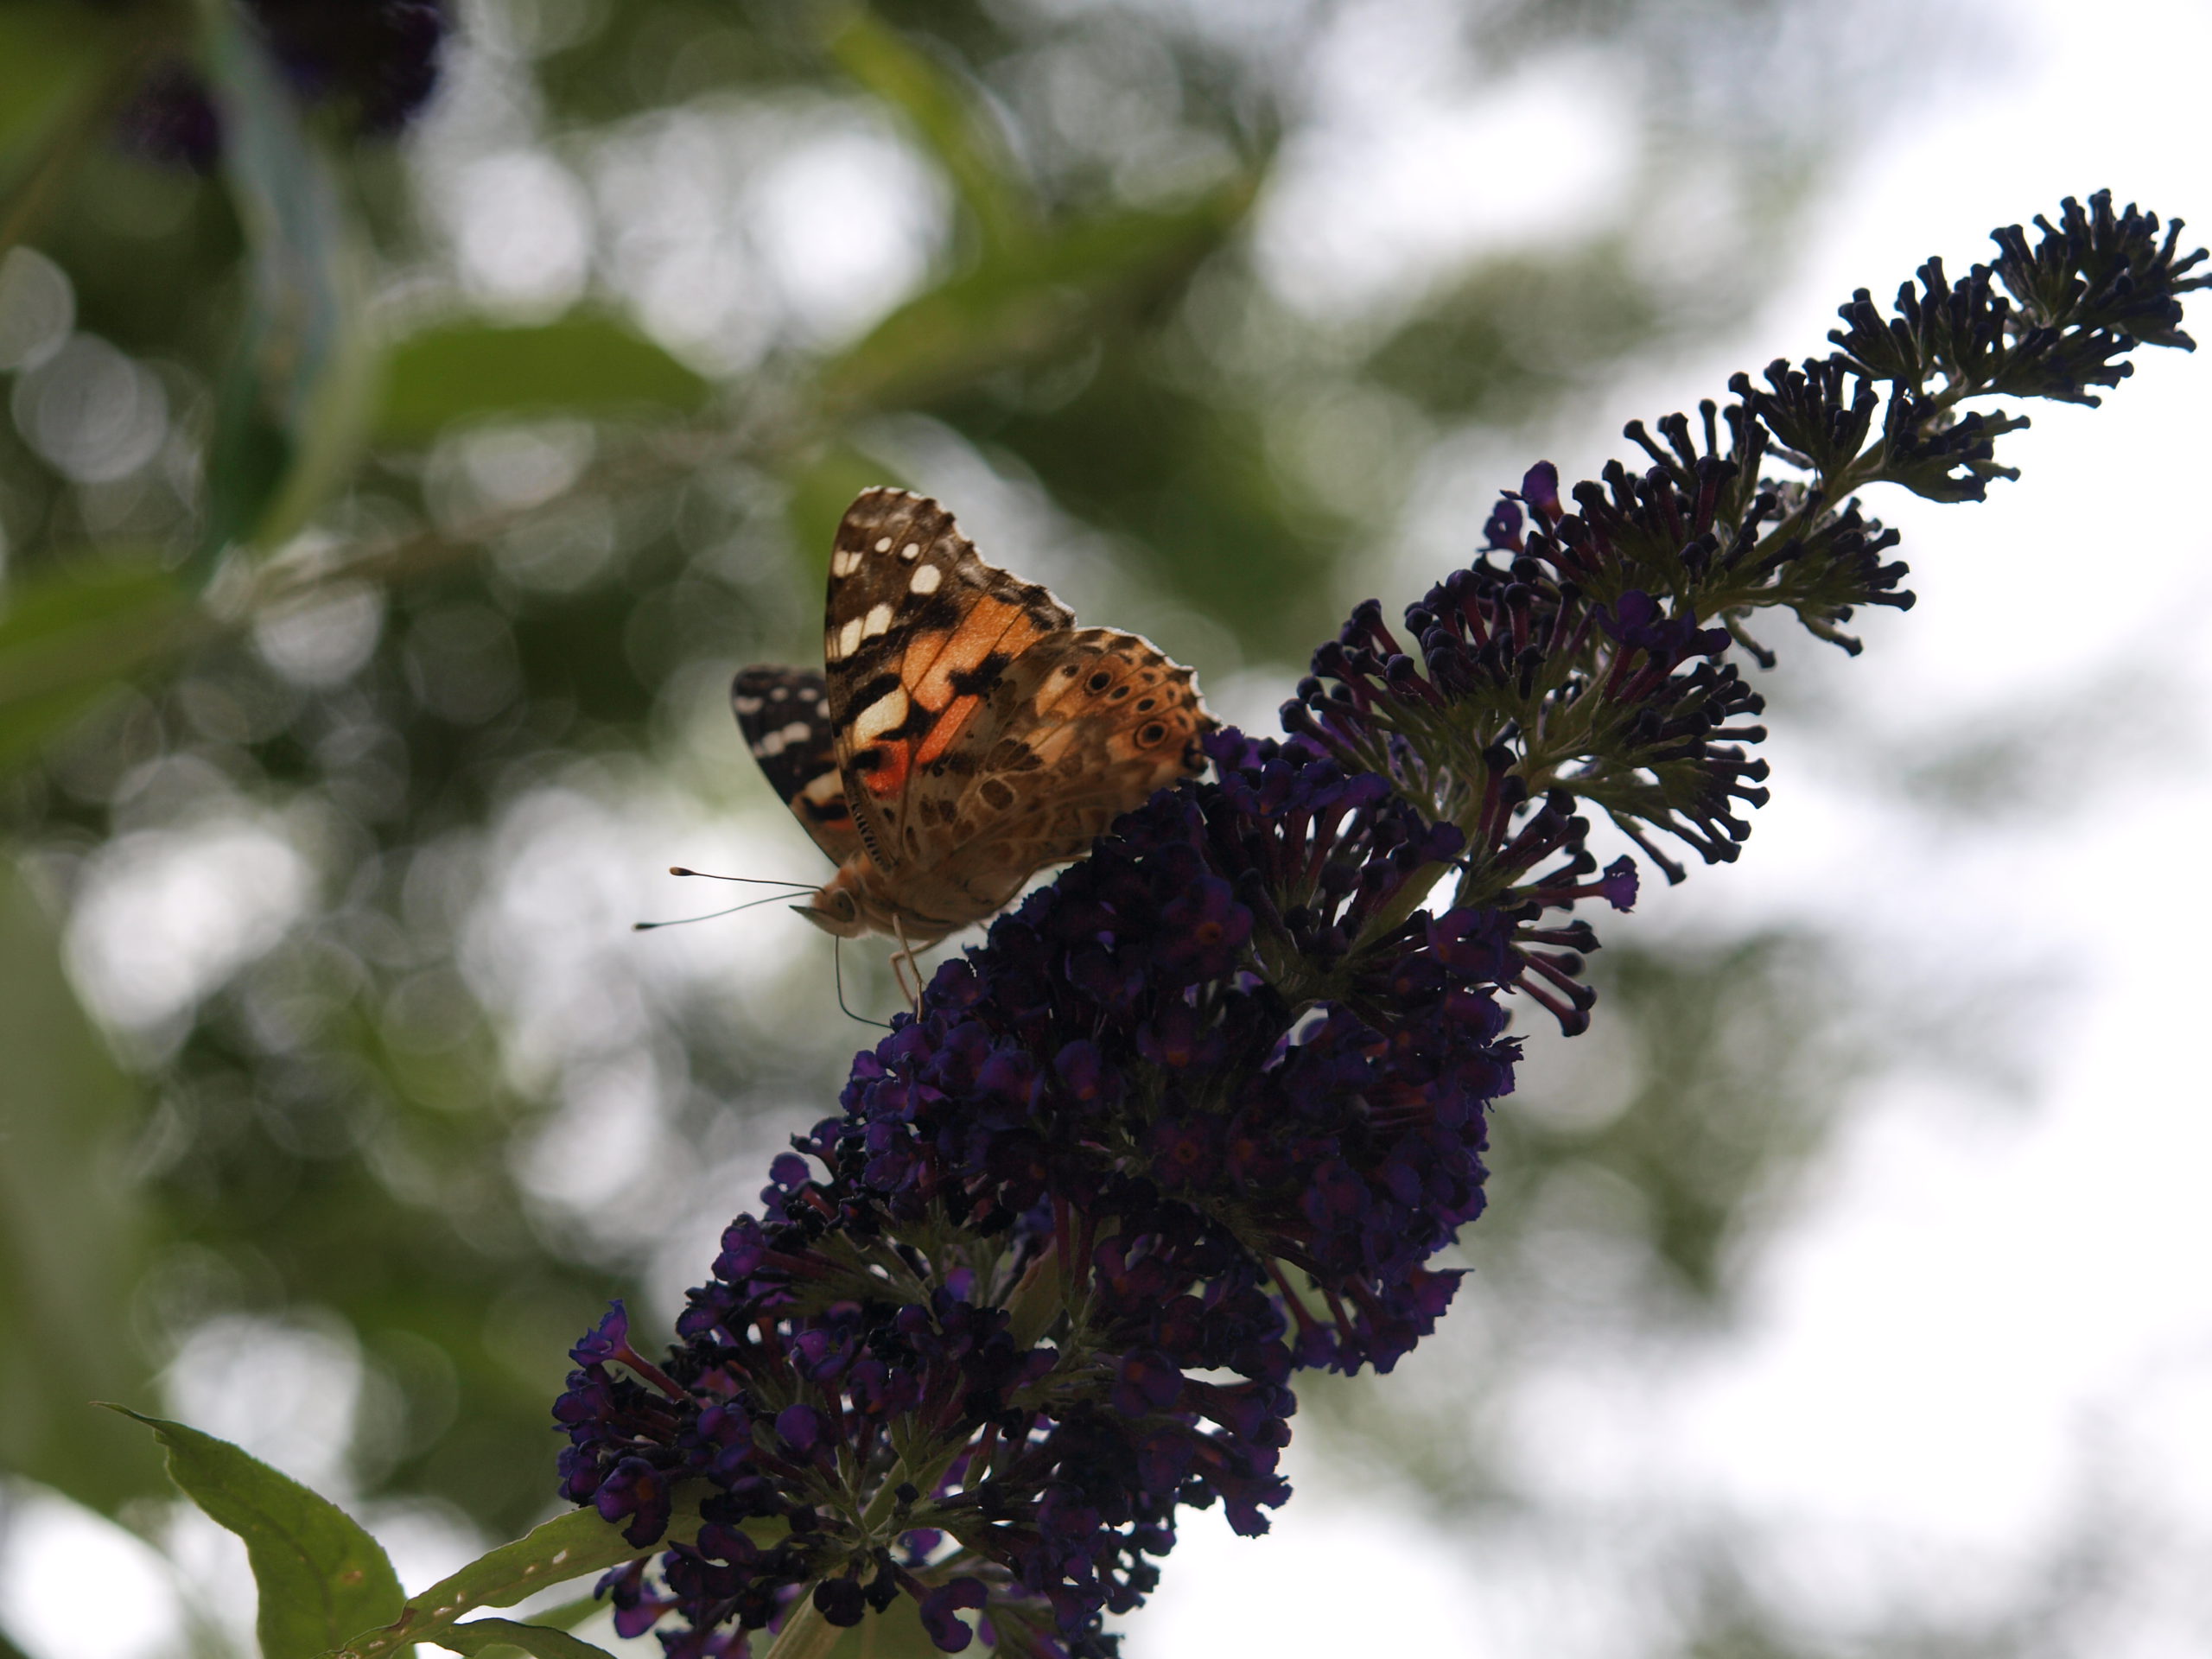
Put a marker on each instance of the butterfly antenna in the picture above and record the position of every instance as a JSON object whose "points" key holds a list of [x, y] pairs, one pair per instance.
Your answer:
{"points": [[837, 967], [754, 880], [680, 921]]}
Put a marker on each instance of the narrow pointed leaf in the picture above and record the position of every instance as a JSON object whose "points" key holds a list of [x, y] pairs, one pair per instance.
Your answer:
{"points": [[69, 639], [318, 1572], [579, 365], [1031, 303], [74, 1242], [291, 415], [561, 1549], [500, 1637], [947, 116]]}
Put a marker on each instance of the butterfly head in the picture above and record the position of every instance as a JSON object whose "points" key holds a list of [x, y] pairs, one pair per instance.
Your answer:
{"points": [[836, 910]]}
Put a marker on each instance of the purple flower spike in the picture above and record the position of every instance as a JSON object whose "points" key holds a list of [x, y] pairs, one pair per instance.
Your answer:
{"points": [[1199, 1114]]}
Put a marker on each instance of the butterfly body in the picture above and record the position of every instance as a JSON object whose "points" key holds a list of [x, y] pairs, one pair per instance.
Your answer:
{"points": [[963, 733]]}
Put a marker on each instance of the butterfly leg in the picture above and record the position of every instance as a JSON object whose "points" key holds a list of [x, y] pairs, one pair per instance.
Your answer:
{"points": [[837, 962], [902, 964]]}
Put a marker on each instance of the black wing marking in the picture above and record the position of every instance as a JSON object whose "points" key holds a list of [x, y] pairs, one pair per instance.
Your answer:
{"points": [[785, 714]]}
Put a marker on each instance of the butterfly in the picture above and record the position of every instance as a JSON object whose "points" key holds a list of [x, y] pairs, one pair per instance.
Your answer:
{"points": [[962, 734]]}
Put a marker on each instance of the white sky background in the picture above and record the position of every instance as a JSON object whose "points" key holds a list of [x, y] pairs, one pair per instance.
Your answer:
{"points": [[1989, 1317], [1983, 1302]]}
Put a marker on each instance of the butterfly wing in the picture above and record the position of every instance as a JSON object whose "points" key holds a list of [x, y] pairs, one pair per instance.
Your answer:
{"points": [[1086, 724], [785, 715], [919, 635]]}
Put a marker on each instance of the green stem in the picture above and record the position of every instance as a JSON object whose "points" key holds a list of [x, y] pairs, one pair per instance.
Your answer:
{"points": [[805, 1635]]}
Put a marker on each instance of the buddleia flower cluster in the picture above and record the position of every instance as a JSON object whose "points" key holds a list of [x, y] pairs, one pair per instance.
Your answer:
{"points": [[1201, 1114]]}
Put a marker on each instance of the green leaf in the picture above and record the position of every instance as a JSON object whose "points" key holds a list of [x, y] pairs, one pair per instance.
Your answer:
{"points": [[895, 1633], [319, 1574], [1029, 303], [64, 68], [504, 1636], [70, 638], [562, 1549], [568, 1614], [49, 53], [74, 1241], [580, 365], [291, 415], [946, 115]]}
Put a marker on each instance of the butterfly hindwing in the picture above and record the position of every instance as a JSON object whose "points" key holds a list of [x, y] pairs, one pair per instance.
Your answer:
{"points": [[1088, 723], [785, 715]]}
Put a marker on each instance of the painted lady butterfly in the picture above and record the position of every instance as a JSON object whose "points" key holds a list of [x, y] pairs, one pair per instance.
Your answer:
{"points": [[964, 734]]}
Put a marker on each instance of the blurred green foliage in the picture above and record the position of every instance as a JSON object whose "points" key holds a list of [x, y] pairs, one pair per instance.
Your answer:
{"points": [[381, 520]]}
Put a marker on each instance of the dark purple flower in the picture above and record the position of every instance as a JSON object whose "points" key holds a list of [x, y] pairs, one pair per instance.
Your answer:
{"points": [[375, 62], [1539, 489], [173, 119], [1148, 1381], [635, 1492], [940, 1612], [1205, 928], [840, 1601]]}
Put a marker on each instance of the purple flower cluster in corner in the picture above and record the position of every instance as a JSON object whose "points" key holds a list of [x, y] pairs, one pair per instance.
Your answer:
{"points": [[374, 61], [1204, 1111], [1581, 659], [1197, 1114]]}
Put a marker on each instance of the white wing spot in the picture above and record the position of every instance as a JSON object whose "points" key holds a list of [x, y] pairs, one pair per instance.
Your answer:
{"points": [[883, 544], [912, 551], [746, 705], [771, 745], [824, 788], [845, 561], [848, 637], [880, 717], [926, 580], [779, 693], [879, 622], [796, 732]]}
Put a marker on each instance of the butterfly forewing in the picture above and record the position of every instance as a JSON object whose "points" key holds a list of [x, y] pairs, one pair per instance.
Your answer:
{"points": [[918, 632], [785, 715]]}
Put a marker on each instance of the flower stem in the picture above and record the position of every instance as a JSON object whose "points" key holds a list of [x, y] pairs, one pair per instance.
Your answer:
{"points": [[806, 1634]]}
